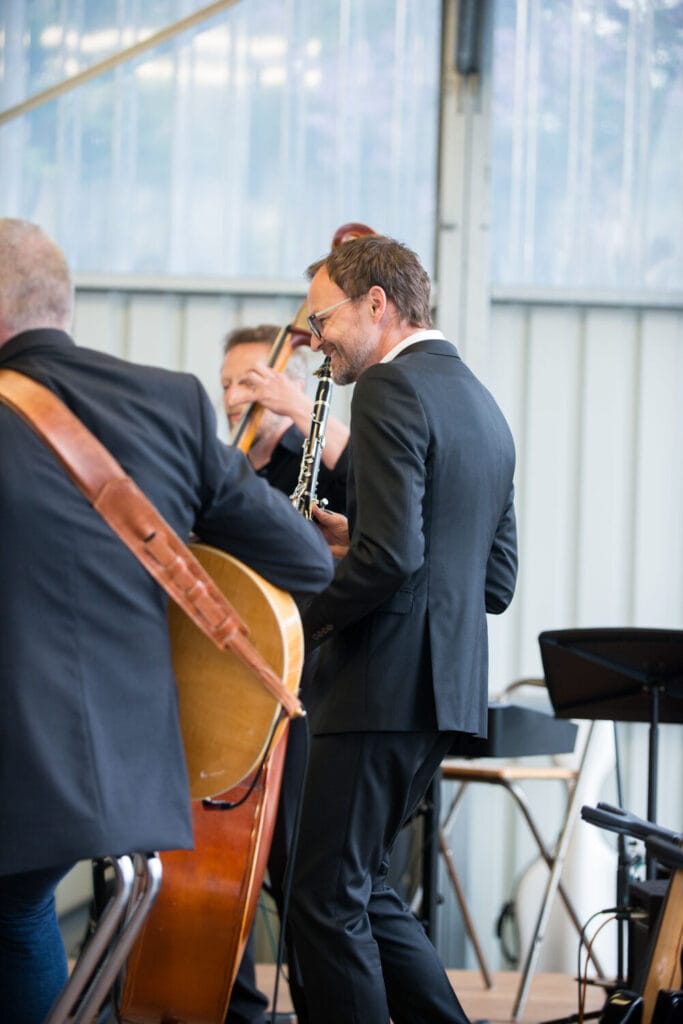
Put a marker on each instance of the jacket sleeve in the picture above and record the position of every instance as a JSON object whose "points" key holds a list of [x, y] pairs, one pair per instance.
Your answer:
{"points": [[501, 570]]}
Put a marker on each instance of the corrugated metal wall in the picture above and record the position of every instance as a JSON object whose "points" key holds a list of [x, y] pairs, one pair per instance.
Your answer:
{"points": [[592, 394], [593, 397], [180, 325]]}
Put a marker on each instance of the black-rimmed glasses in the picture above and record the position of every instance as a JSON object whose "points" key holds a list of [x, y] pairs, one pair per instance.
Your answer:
{"points": [[316, 324]]}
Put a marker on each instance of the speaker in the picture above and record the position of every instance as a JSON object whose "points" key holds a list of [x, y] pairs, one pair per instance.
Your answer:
{"points": [[623, 1007], [669, 1007]]}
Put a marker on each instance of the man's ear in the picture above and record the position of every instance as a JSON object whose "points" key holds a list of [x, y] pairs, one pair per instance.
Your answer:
{"points": [[378, 301]]}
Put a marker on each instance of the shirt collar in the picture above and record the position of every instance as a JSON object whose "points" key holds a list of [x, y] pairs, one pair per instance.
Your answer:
{"points": [[427, 334], [34, 339]]}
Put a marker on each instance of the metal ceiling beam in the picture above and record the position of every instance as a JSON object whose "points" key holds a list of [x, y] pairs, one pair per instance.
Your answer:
{"points": [[103, 66]]}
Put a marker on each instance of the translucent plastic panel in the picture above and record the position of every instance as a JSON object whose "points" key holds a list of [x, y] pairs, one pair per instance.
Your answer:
{"points": [[238, 147], [588, 143]]}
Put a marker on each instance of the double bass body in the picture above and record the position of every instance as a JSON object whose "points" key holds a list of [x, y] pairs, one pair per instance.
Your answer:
{"points": [[184, 964]]}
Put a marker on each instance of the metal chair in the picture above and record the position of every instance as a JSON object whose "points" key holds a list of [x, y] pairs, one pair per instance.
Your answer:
{"points": [[137, 878], [510, 774]]}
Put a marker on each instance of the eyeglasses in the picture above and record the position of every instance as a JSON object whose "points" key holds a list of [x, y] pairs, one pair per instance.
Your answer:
{"points": [[316, 324]]}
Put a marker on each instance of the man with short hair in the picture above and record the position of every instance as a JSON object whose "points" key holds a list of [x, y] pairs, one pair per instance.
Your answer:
{"points": [[276, 449], [429, 549], [91, 758]]}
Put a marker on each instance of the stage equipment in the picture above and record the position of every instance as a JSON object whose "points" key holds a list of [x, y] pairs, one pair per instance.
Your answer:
{"points": [[515, 731], [622, 675], [658, 979], [137, 878]]}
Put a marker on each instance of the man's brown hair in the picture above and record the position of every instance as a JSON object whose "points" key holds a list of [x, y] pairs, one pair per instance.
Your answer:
{"points": [[296, 367], [357, 265]]}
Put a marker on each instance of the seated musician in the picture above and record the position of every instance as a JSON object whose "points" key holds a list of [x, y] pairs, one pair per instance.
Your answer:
{"points": [[275, 451]]}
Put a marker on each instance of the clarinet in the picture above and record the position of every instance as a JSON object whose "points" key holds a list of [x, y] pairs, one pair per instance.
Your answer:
{"points": [[304, 496]]}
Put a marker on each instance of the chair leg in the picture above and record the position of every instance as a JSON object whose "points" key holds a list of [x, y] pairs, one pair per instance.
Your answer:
{"points": [[518, 795], [551, 885], [137, 882], [464, 909], [457, 887], [98, 942], [452, 810], [148, 882]]}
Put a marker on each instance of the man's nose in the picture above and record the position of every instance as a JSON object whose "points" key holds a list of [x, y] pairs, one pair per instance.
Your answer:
{"points": [[234, 396]]}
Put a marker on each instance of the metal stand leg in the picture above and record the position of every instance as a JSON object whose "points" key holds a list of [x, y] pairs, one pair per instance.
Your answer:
{"points": [[551, 886], [518, 795], [430, 855], [465, 910], [522, 803]]}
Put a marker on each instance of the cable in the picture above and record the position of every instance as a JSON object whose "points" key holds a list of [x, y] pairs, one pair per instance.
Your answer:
{"points": [[508, 916], [289, 871], [582, 942], [582, 1001]]}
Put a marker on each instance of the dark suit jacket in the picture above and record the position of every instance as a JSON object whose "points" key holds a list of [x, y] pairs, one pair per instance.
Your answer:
{"points": [[433, 549], [91, 761]]}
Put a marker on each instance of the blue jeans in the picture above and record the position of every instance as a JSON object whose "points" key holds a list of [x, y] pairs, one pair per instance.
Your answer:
{"points": [[33, 968]]}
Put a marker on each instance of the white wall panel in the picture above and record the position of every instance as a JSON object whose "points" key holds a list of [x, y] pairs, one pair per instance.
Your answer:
{"points": [[605, 410], [154, 330], [547, 475], [592, 396], [100, 321], [658, 467], [203, 330], [506, 377], [183, 330]]}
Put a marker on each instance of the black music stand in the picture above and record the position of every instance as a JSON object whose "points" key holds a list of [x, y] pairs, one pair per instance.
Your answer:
{"points": [[621, 675]]}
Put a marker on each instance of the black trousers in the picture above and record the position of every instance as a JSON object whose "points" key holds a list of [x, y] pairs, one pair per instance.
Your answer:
{"points": [[363, 955]]}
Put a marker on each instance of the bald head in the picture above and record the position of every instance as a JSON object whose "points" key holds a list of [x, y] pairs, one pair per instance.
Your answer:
{"points": [[35, 284]]}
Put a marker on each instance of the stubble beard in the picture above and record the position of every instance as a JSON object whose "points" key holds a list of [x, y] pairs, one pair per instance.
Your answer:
{"points": [[342, 374], [347, 367]]}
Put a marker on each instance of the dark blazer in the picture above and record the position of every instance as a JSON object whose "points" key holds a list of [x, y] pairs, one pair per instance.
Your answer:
{"points": [[433, 549], [91, 761]]}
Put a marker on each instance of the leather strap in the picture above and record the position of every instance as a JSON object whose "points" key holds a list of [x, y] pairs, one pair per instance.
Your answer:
{"points": [[139, 525]]}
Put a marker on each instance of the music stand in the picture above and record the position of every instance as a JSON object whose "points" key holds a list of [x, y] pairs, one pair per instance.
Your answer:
{"points": [[621, 675]]}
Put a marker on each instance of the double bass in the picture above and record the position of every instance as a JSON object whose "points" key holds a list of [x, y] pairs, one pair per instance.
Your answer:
{"points": [[184, 963]]}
